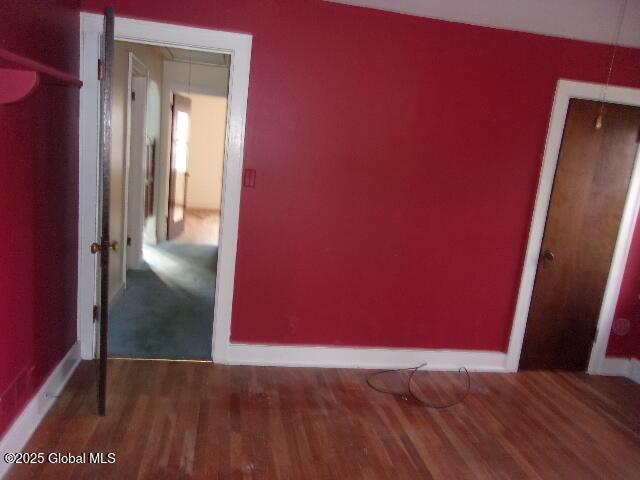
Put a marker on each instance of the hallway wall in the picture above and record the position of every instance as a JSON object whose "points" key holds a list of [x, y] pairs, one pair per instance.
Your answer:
{"points": [[206, 151], [38, 205]]}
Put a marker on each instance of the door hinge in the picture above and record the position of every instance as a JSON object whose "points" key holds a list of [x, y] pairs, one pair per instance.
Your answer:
{"points": [[128, 241], [100, 69], [96, 310], [133, 96]]}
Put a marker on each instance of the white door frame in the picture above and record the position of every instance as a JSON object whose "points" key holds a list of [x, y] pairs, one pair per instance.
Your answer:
{"points": [[566, 90], [238, 46]]}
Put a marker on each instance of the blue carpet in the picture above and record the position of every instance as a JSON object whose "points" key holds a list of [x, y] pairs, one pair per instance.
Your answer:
{"points": [[166, 310]]}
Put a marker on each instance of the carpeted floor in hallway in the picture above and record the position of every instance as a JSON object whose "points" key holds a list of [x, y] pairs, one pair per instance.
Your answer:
{"points": [[166, 310]]}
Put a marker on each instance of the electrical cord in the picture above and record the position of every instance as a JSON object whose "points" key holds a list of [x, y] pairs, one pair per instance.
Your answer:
{"points": [[410, 391]]}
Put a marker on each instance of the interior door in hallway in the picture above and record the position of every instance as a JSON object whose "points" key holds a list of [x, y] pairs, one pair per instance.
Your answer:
{"points": [[103, 246], [180, 133], [596, 159]]}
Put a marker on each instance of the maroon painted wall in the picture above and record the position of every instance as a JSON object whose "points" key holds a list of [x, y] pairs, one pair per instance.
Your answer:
{"points": [[38, 205], [625, 334], [397, 162]]}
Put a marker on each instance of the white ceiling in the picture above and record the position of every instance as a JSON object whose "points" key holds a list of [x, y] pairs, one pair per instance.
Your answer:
{"points": [[590, 20]]}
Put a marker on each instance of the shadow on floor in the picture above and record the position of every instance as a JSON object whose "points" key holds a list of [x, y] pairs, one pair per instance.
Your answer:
{"points": [[166, 310]]}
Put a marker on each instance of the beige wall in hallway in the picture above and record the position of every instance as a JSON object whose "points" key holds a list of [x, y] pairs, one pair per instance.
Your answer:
{"points": [[206, 154]]}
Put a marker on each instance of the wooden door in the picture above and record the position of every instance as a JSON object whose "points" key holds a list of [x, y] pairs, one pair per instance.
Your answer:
{"points": [[180, 132], [592, 179], [104, 246]]}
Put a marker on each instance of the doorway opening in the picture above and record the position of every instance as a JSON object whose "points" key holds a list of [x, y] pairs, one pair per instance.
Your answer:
{"points": [[97, 143], [169, 121]]}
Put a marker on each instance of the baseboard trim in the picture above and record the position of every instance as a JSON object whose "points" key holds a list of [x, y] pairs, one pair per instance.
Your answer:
{"points": [[634, 373], [621, 367], [615, 366], [23, 427], [373, 358]]}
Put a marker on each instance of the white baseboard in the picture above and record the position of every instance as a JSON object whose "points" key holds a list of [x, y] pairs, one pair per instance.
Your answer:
{"points": [[634, 373], [621, 367], [354, 357], [23, 427]]}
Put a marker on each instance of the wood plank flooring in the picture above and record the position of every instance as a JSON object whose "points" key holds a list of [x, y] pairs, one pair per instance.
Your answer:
{"points": [[182, 420], [201, 227]]}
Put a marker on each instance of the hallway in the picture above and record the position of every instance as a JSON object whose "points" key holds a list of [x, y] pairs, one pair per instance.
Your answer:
{"points": [[167, 308]]}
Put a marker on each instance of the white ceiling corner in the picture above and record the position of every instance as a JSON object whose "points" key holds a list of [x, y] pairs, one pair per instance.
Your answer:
{"points": [[589, 20]]}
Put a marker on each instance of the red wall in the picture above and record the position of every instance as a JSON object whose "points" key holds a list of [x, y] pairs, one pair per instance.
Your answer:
{"points": [[625, 335], [38, 205], [397, 162]]}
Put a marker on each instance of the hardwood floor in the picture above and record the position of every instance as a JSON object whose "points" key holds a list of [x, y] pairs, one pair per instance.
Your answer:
{"points": [[194, 420], [201, 227]]}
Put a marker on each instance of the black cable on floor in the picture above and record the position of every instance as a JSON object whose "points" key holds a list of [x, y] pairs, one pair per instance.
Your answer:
{"points": [[411, 392]]}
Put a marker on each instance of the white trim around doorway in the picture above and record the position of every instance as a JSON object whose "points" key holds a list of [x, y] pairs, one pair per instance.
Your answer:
{"points": [[238, 46], [566, 90]]}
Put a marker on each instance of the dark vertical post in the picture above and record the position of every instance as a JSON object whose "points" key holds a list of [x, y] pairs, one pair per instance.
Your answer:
{"points": [[105, 244]]}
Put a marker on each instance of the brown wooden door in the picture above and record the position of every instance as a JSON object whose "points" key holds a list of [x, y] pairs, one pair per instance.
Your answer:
{"points": [[104, 246], [589, 191], [180, 133]]}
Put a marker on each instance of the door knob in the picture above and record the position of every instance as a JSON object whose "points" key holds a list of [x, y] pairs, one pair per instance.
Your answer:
{"points": [[548, 256], [96, 247]]}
